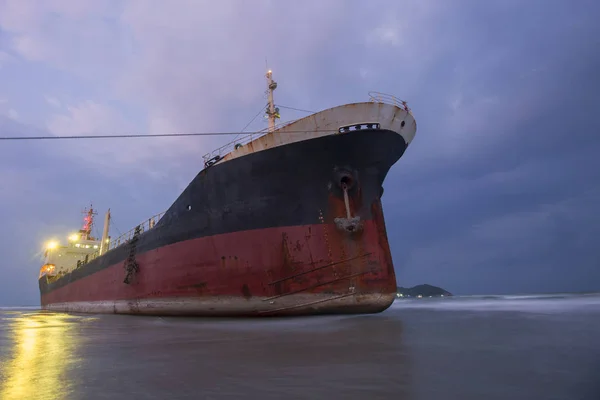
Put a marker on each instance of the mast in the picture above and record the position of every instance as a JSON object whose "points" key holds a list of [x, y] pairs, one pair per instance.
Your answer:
{"points": [[88, 223], [272, 111], [104, 242]]}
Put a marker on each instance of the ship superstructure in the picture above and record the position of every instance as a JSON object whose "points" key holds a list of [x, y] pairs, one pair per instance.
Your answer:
{"points": [[60, 259]]}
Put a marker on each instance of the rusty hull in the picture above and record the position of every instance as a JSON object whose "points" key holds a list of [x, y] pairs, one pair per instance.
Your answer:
{"points": [[296, 229]]}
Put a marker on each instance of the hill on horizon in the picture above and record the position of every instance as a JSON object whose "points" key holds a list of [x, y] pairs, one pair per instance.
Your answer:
{"points": [[424, 290]]}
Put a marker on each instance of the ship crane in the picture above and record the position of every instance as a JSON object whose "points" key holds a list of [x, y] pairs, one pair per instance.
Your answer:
{"points": [[105, 240]]}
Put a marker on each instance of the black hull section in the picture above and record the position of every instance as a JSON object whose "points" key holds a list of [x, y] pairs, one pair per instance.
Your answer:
{"points": [[288, 185]]}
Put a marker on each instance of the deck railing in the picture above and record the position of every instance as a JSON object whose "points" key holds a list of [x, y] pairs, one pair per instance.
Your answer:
{"points": [[124, 238], [144, 226], [241, 141], [377, 97]]}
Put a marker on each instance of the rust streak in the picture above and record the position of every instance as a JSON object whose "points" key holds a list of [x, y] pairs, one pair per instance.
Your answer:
{"points": [[317, 285], [321, 267], [307, 304]]}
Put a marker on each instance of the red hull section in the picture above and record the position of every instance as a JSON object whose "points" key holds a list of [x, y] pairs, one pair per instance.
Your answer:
{"points": [[276, 271]]}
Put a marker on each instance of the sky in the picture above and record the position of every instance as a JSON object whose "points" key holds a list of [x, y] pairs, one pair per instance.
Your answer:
{"points": [[498, 193]]}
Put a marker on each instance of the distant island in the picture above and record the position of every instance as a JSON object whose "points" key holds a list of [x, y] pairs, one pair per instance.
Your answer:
{"points": [[422, 291]]}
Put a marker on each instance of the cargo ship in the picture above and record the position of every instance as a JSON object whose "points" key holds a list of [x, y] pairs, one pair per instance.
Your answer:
{"points": [[286, 221]]}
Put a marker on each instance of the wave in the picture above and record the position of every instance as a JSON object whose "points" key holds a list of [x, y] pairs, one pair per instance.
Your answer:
{"points": [[17, 308], [536, 303], [530, 296]]}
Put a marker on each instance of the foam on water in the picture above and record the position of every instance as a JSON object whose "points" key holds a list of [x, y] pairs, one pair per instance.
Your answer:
{"points": [[18, 308], [542, 303]]}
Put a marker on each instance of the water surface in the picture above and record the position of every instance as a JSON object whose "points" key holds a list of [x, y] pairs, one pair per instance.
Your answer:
{"points": [[494, 347]]}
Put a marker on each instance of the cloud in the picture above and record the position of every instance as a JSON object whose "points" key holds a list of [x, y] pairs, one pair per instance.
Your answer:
{"points": [[387, 33], [45, 32], [4, 58], [13, 114], [54, 102], [7, 110], [185, 71], [178, 76], [518, 245], [526, 226], [117, 158], [44, 193], [504, 148]]}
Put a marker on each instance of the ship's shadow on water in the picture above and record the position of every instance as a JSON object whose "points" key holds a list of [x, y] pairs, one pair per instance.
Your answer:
{"points": [[110, 356]]}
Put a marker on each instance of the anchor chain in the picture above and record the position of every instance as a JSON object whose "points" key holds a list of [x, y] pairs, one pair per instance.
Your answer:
{"points": [[131, 266], [346, 200], [349, 224]]}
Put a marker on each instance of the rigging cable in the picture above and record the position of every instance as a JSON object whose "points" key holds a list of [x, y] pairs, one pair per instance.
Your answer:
{"points": [[251, 121], [296, 109], [112, 225], [149, 135]]}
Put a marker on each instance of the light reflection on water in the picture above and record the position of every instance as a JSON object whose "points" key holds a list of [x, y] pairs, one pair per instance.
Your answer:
{"points": [[42, 346]]}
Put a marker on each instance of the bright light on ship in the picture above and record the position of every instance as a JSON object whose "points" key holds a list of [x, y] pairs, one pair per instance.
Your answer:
{"points": [[74, 237], [51, 245]]}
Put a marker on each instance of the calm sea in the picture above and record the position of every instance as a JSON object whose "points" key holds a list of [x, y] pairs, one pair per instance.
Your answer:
{"points": [[496, 347]]}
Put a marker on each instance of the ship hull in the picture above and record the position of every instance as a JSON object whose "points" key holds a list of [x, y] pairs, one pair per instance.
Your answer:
{"points": [[267, 234], [275, 271]]}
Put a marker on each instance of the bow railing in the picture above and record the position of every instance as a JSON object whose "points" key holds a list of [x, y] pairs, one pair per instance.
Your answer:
{"points": [[377, 97]]}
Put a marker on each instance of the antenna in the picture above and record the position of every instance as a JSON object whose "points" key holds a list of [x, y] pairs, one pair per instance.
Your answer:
{"points": [[272, 111]]}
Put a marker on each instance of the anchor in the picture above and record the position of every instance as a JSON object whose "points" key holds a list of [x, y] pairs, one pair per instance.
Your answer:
{"points": [[349, 224]]}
